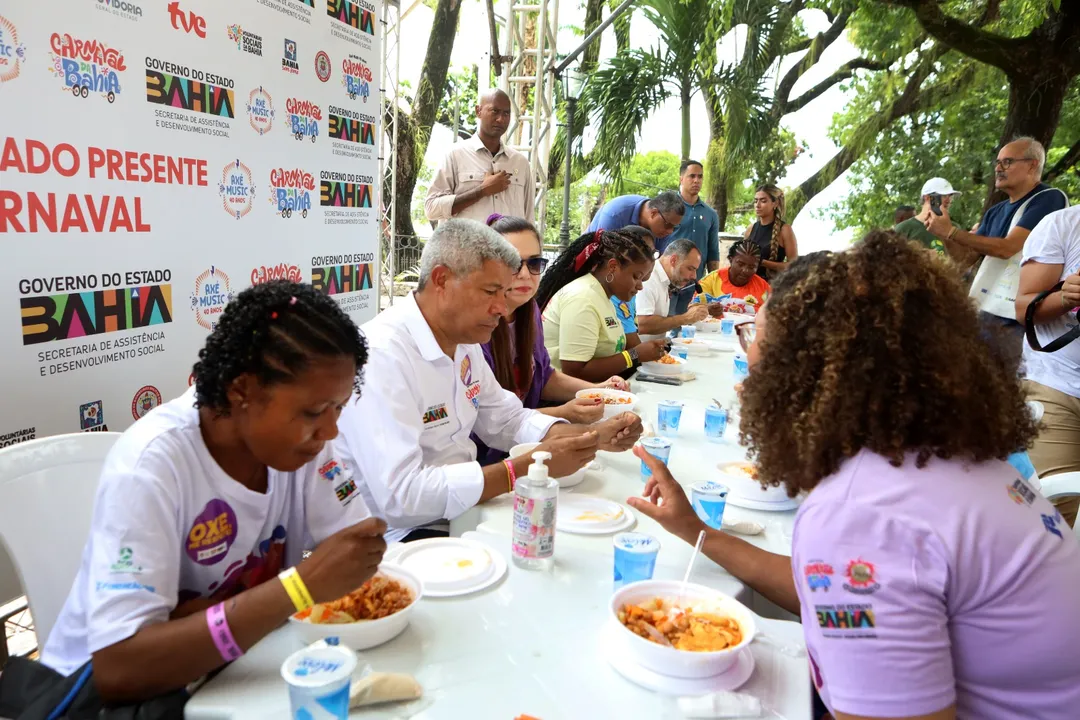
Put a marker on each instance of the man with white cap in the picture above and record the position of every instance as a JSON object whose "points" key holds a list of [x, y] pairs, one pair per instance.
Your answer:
{"points": [[938, 189]]}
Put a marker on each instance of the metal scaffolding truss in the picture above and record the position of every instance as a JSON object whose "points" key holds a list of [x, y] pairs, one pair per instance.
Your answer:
{"points": [[529, 47], [388, 139]]}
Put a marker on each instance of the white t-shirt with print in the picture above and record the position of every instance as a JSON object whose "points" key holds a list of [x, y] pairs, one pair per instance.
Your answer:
{"points": [[171, 527], [1055, 241]]}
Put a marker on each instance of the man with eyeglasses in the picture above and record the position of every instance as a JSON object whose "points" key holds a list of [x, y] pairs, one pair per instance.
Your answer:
{"points": [[1001, 234], [481, 176]]}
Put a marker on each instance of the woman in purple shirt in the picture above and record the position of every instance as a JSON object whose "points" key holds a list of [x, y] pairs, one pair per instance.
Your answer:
{"points": [[933, 581], [516, 352]]}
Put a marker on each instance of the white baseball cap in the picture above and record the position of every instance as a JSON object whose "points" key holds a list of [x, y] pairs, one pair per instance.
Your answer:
{"points": [[938, 186]]}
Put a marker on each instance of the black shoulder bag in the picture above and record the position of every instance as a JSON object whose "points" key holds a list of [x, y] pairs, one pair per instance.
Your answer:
{"points": [[1029, 325]]}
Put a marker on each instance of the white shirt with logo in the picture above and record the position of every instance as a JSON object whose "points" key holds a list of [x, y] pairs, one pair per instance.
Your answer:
{"points": [[172, 533], [408, 433], [655, 297], [1055, 241]]}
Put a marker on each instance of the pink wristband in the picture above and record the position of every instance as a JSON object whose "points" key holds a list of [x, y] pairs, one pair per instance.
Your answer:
{"points": [[222, 635]]}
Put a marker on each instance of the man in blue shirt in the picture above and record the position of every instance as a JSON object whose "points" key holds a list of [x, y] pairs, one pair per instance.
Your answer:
{"points": [[1004, 228], [659, 215], [700, 224]]}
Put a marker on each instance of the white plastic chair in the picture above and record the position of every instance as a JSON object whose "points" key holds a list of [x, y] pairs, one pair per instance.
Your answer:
{"points": [[1062, 485], [47, 490]]}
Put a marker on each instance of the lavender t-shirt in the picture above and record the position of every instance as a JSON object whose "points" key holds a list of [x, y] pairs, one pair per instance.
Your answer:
{"points": [[951, 584]]}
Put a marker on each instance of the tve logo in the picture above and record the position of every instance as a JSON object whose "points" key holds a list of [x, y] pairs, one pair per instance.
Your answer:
{"points": [[188, 22]]}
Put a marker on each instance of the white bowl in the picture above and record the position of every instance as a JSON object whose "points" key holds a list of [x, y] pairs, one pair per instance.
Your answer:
{"points": [[667, 660], [741, 485], [366, 633], [564, 482], [611, 409], [708, 326], [693, 346], [659, 368]]}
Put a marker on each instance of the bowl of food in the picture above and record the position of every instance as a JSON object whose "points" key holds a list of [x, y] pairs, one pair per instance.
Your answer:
{"points": [[666, 365], [565, 481], [708, 325], [375, 613], [693, 346], [694, 634], [616, 402], [742, 481]]}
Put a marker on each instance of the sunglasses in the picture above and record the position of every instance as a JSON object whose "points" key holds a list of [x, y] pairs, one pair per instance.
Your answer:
{"points": [[536, 265], [746, 332]]}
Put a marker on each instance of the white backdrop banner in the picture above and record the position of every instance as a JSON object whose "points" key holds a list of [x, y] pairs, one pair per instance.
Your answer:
{"points": [[158, 157]]}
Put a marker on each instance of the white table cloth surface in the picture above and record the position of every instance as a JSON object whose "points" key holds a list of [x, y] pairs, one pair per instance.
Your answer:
{"points": [[530, 644]]}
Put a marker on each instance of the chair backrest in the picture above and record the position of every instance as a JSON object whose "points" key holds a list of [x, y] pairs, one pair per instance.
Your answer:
{"points": [[1063, 485], [47, 490]]}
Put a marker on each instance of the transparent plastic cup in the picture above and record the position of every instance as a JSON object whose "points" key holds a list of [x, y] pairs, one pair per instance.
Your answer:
{"points": [[658, 447], [668, 415], [709, 500], [635, 557]]}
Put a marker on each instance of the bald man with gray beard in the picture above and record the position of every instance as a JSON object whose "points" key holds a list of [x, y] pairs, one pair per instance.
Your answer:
{"points": [[481, 175]]}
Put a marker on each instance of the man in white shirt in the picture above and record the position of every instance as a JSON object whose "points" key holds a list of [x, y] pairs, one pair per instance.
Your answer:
{"points": [[428, 388], [676, 271], [481, 175], [1051, 255]]}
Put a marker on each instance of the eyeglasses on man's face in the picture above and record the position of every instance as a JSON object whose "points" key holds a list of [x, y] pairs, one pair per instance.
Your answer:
{"points": [[1007, 162]]}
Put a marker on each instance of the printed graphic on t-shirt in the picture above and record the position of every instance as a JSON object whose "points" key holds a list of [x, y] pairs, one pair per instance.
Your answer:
{"points": [[818, 575], [344, 485], [472, 389], [212, 533], [263, 564], [436, 416], [610, 321], [850, 621], [860, 577]]}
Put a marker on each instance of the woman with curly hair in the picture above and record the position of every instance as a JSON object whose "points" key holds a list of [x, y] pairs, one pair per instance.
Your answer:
{"points": [[933, 581], [208, 498], [773, 236], [582, 334]]}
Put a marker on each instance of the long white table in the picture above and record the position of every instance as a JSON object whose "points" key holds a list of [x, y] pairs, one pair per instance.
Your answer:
{"points": [[693, 458], [531, 644]]}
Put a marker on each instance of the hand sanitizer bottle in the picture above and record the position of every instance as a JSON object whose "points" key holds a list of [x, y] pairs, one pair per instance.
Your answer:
{"points": [[535, 501]]}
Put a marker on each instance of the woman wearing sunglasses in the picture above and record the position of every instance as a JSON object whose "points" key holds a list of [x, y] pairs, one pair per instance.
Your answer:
{"points": [[516, 351]]}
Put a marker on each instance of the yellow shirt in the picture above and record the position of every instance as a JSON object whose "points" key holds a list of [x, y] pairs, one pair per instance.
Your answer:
{"points": [[580, 323]]}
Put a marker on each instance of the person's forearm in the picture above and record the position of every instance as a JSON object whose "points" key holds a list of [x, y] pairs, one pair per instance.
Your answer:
{"points": [[657, 324], [167, 656], [713, 265], [1049, 309], [562, 388], [766, 573], [773, 265], [994, 247], [467, 199], [596, 370]]}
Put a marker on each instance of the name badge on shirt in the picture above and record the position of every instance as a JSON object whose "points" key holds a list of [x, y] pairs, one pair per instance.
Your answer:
{"points": [[472, 389]]}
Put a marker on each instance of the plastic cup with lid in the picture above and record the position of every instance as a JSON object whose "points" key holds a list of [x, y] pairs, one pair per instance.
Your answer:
{"points": [[635, 557], [318, 679], [658, 447], [688, 331], [709, 500]]}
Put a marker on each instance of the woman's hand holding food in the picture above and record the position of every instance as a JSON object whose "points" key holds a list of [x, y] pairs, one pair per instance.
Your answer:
{"points": [[344, 561], [583, 411], [615, 383], [666, 501], [569, 453], [620, 432], [652, 350]]}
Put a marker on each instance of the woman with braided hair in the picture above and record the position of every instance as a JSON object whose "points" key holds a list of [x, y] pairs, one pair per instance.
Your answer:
{"points": [[209, 499], [739, 284], [582, 334], [773, 236], [933, 580]]}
